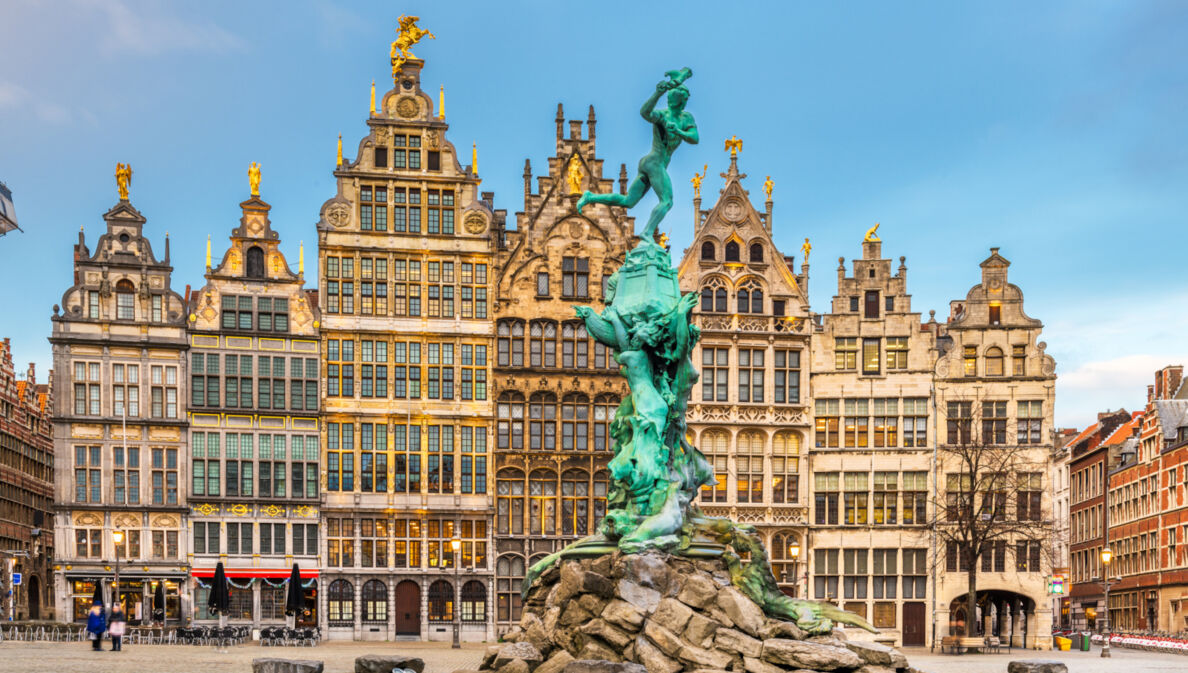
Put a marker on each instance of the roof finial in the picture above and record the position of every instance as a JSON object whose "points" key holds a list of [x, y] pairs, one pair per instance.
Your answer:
{"points": [[208, 252], [441, 103], [339, 150], [474, 158], [301, 258], [123, 176], [254, 178], [372, 96]]}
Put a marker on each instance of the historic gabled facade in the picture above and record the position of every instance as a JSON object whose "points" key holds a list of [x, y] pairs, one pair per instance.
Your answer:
{"points": [[749, 413], [120, 436], [254, 403], [556, 390], [26, 491], [405, 255], [995, 388], [872, 451]]}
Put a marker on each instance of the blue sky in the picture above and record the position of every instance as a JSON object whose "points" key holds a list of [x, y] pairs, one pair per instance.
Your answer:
{"points": [[1053, 130]]}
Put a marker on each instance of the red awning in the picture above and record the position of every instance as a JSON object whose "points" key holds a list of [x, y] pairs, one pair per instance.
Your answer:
{"points": [[270, 573]]}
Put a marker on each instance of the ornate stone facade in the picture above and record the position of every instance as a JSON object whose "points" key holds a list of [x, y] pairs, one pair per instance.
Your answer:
{"points": [[120, 440], [405, 252], [993, 378], [26, 490], [749, 414], [556, 390], [254, 402], [872, 449]]}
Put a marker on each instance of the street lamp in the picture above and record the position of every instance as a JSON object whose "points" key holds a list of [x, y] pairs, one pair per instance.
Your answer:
{"points": [[456, 545], [1107, 555], [794, 554], [118, 536]]}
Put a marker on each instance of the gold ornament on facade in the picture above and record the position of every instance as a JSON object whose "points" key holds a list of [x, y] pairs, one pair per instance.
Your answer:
{"points": [[273, 510], [476, 223], [407, 107], [733, 145], [768, 185], [573, 177], [123, 176], [406, 36], [254, 178], [235, 263], [239, 509], [697, 181], [305, 511], [871, 235], [206, 509]]}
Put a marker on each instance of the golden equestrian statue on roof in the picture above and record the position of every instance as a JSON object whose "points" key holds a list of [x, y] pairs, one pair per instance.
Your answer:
{"points": [[408, 35]]}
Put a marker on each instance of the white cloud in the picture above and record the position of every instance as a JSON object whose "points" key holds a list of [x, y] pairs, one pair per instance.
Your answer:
{"points": [[147, 29], [1108, 352], [16, 97]]}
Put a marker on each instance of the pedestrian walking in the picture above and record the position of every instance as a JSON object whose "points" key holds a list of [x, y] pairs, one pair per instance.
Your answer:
{"points": [[118, 623], [96, 625]]}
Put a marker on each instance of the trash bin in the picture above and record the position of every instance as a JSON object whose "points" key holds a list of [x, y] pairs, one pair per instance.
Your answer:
{"points": [[1084, 637], [1063, 644]]}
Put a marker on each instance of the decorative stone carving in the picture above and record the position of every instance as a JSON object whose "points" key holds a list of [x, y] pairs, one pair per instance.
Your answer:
{"points": [[338, 215], [407, 107], [475, 223]]}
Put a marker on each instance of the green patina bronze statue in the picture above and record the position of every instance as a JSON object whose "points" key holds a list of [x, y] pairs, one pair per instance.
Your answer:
{"points": [[655, 471], [669, 128]]}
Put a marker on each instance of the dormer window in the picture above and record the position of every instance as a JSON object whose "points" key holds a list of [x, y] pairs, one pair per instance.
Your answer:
{"points": [[731, 251], [708, 250], [995, 313], [756, 253], [255, 262], [125, 300]]}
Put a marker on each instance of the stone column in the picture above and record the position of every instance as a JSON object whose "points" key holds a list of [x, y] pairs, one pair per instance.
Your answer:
{"points": [[1016, 623]]}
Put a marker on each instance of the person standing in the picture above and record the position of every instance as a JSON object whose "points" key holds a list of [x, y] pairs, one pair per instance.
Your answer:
{"points": [[118, 623], [96, 625]]}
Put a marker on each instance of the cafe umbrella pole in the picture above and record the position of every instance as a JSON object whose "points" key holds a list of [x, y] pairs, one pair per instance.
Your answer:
{"points": [[294, 598]]}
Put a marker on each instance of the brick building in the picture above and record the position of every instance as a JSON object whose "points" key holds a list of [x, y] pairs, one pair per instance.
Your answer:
{"points": [[26, 490], [1147, 512]]}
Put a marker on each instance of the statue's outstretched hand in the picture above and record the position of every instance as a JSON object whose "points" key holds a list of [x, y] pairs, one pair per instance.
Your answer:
{"points": [[687, 301]]}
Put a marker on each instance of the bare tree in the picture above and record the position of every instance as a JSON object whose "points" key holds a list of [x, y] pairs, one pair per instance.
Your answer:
{"points": [[989, 494]]}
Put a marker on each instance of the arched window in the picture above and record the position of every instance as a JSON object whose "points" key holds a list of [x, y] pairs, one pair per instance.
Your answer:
{"points": [[340, 603], [575, 346], [750, 297], [715, 446], [604, 413], [732, 251], [785, 468], [994, 361], [510, 343], [542, 422], [575, 502], [474, 602], [713, 296], [375, 602], [255, 262], [749, 467], [720, 300], [509, 506], [441, 601], [756, 252], [125, 300], [786, 552], [708, 250], [509, 427], [509, 573], [542, 502], [543, 351], [575, 422], [601, 485]]}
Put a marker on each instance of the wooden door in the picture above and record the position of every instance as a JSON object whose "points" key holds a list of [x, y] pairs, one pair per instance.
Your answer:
{"points": [[913, 624], [408, 608]]}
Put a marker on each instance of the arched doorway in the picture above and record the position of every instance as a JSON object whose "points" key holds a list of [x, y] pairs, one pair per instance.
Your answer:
{"points": [[34, 597], [408, 608], [1004, 614]]}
